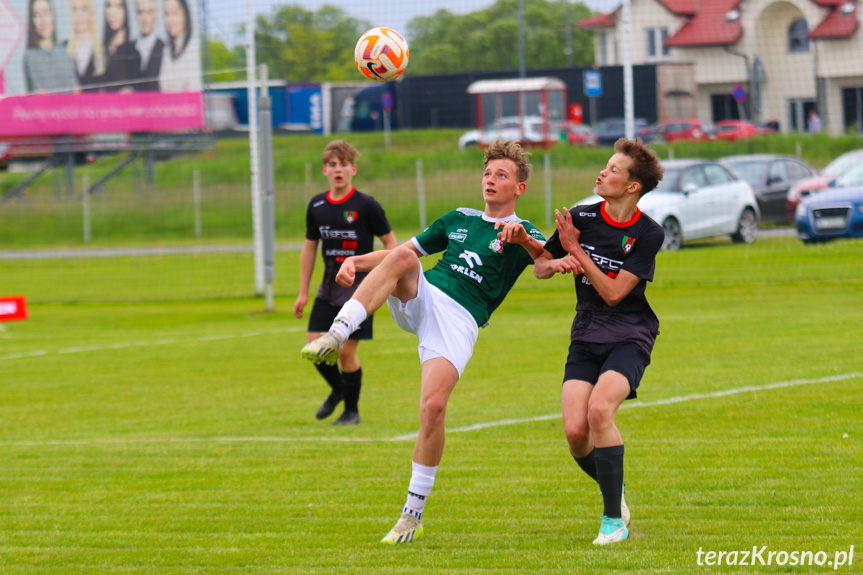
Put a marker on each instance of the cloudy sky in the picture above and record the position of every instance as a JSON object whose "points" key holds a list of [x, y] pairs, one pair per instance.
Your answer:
{"points": [[225, 15]]}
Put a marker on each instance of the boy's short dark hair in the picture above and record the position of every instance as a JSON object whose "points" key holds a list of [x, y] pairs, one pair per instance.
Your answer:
{"points": [[645, 167], [340, 150], [508, 150]]}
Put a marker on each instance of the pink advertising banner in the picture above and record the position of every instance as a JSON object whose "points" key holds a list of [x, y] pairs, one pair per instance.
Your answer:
{"points": [[35, 115], [70, 67]]}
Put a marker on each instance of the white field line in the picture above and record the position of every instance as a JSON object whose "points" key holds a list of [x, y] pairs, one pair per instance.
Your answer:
{"points": [[142, 344], [411, 436]]}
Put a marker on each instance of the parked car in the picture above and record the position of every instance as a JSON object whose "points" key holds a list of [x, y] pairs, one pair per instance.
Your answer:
{"points": [[699, 199], [835, 213], [738, 130], [580, 135], [527, 129], [681, 130], [771, 176], [822, 181], [609, 130]]}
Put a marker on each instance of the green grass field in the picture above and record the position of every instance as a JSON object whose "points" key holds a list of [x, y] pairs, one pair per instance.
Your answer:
{"points": [[174, 437]]}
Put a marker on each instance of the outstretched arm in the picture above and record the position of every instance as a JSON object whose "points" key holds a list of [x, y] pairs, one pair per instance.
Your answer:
{"points": [[611, 290], [546, 266], [514, 233]]}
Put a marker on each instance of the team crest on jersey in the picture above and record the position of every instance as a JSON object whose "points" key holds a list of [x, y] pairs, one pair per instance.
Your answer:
{"points": [[628, 242], [496, 246], [351, 216]]}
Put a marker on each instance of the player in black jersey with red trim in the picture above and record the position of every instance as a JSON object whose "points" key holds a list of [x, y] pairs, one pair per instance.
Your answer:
{"points": [[611, 248], [345, 222]]}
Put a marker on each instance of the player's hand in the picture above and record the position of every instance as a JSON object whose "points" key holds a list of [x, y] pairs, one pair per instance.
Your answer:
{"points": [[566, 231], [347, 273], [568, 264], [511, 232], [300, 305]]}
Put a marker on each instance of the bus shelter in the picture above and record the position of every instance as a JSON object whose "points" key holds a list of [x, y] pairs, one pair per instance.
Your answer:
{"points": [[529, 110]]}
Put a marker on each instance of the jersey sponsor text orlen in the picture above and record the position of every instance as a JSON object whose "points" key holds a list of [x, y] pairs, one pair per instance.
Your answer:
{"points": [[608, 265], [472, 258]]}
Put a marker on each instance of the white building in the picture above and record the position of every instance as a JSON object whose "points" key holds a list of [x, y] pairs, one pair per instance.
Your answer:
{"points": [[782, 58]]}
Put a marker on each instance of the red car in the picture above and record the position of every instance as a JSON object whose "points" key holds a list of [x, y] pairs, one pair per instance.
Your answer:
{"points": [[738, 130], [681, 130], [580, 135]]}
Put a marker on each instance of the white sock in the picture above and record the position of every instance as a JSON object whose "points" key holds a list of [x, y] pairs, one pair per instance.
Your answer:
{"points": [[349, 319], [422, 481]]}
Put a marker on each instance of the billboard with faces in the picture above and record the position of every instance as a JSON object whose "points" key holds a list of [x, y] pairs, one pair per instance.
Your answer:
{"points": [[91, 66]]}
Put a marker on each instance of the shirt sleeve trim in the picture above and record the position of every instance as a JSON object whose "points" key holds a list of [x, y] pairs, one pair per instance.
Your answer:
{"points": [[418, 246]]}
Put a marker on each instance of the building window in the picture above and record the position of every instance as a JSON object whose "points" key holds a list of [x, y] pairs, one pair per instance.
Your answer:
{"points": [[603, 48], [798, 36], [852, 109], [656, 49], [725, 107]]}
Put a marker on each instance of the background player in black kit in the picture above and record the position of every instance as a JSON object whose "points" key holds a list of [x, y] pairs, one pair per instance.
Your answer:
{"points": [[346, 222], [611, 247]]}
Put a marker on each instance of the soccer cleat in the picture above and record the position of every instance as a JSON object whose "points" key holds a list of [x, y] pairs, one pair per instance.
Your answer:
{"points": [[324, 349], [348, 418], [329, 405], [624, 510], [406, 530], [612, 530]]}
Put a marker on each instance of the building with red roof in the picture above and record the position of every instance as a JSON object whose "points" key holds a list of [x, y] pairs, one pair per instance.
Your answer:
{"points": [[762, 59]]}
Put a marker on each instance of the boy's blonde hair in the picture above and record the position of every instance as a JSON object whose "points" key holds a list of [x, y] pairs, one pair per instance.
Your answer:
{"points": [[340, 150], [509, 150]]}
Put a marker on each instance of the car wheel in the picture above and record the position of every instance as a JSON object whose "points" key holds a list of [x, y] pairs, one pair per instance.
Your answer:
{"points": [[673, 236], [747, 228]]}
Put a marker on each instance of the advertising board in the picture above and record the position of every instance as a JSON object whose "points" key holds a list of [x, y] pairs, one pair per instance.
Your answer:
{"points": [[92, 66]]}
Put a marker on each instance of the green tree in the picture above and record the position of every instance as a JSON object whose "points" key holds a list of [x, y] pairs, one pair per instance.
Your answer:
{"points": [[225, 64], [488, 39], [304, 46]]}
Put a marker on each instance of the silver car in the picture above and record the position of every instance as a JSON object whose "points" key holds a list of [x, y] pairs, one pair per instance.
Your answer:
{"points": [[699, 199]]}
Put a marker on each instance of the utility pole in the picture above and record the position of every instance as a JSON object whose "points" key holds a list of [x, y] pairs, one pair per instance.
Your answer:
{"points": [[522, 71]]}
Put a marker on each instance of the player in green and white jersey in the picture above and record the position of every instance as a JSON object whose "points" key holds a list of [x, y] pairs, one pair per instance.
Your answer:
{"points": [[484, 253]]}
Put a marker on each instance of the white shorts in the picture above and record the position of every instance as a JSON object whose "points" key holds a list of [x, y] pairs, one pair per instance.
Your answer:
{"points": [[445, 329]]}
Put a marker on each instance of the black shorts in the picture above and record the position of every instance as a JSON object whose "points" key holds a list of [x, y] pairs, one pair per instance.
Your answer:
{"points": [[323, 315], [587, 361]]}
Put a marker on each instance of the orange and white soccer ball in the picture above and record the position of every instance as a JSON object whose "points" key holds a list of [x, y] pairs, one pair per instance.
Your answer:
{"points": [[381, 54]]}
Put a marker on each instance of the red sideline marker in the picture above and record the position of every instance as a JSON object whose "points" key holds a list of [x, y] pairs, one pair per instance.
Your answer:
{"points": [[12, 308]]}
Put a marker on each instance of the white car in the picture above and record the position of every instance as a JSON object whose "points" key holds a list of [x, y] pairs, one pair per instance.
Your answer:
{"points": [[699, 199], [509, 128]]}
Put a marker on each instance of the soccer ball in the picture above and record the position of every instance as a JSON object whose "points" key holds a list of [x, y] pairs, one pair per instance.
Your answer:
{"points": [[381, 54]]}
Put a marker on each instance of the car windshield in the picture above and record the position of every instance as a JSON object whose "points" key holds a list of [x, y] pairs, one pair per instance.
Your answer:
{"points": [[670, 181], [853, 176], [840, 164], [749, 171], [605, 126], [726, 128]]}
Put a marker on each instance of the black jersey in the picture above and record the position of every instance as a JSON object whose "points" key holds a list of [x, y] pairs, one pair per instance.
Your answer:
{"points": [[614, 246], [345, 228]]}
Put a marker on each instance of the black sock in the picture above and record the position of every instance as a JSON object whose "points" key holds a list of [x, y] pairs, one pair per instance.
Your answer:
{"points": [[609, 472], [353, 383], [333, 377], [587, 464]]}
